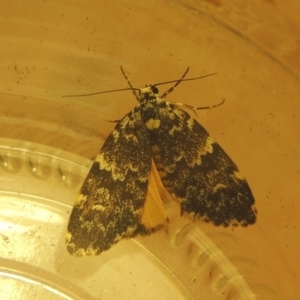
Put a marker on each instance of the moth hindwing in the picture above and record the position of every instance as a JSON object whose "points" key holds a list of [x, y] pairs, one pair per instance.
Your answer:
{"points": [[156, 146]]}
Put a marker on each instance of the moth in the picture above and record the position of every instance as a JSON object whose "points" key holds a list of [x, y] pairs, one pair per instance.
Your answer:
{"points": [[157, 147]]}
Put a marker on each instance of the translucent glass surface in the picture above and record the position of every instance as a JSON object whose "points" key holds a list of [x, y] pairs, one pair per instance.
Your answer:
{"points": [[47, 143]]}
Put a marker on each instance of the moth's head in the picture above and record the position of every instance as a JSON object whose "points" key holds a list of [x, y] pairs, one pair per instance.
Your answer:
{"points": [[148, 92]]}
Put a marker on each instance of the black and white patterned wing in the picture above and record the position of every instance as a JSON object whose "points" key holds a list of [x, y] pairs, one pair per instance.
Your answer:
{"points": [[200, 174], [111, 200]]}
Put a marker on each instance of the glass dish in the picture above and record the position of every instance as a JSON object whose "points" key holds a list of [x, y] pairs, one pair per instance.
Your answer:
{"points": [[47, 143]]}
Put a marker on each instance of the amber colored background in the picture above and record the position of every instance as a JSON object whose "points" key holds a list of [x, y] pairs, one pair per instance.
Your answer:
{"points": [[53, 48]]}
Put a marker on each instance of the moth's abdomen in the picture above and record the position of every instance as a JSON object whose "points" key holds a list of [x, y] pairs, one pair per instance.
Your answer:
{"points": [[156, 155]]}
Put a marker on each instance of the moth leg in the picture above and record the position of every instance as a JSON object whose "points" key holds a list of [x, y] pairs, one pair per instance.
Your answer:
{"points": [[194, 109], [108, 120]]}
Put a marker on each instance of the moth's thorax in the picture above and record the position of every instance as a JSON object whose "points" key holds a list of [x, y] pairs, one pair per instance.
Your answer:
{"points": [[150, 104]]}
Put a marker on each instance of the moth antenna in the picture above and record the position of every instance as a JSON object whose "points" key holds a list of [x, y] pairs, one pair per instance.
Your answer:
{"points": [[170, 90], [134, 90], [136, 95], [97, 93]]}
